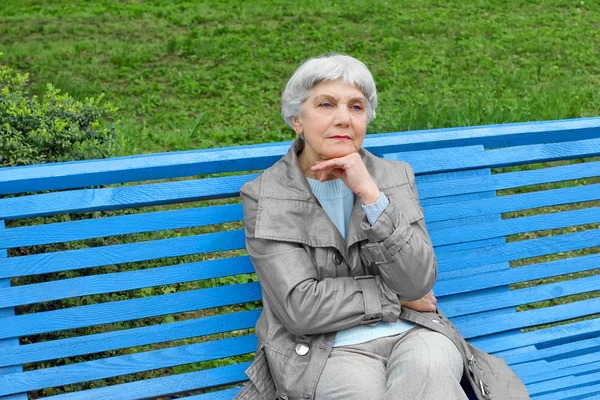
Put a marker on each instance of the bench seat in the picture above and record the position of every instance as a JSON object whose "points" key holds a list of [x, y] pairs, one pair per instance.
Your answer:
{"points": [[127, 278]]}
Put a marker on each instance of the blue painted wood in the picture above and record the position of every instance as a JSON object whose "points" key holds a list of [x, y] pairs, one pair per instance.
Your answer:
{"points": [[529, 154], [123, 253], [471, 302], [518, 250], [471, 326], [8, 344], [119, 225], [163, 386], [105, 313], [521, 274], [121, 197], [558, 384], [510, 203], [507, 180], [514, 226], [95, 343], [127, 364], [244, 158], [543, 338], [576, 348], [226, 394], [588, 392], [121, 281]]}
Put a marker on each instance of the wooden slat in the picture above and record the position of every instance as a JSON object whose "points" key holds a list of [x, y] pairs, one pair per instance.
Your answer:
{"points": [[119, 225], [99, 342], [517, 250], [121, 253], [472, 326], [106, 313], [587, 392], [124, 365], [560, 384], [505, 341], [511, 203], [507, 157], [244, 158], [8, 344], [86, 200], [121, 281], [507, 227], [471, 303], [226, 394], [506, 180], [163, 386], [515, 275], [577, 347]]}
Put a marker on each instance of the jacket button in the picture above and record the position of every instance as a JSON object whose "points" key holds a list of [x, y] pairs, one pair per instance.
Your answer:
{"points": [[302, 349], [337, 258]]}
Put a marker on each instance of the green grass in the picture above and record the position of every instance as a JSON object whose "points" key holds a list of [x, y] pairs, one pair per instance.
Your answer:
{"points": [[190, 75]]}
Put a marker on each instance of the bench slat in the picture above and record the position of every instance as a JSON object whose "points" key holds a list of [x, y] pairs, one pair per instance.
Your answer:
{"points": [[589, 392], [512, 203], [125, 338], [121, 253], [529, 154], [77, 201], [164, 385], [127, 364], [562, 383], [472, 326], [507, 180], [126, 280], [106, 313], [543, 338], [515, 275], [257, 157], [471, 303], [517, 250], [226, 394], [578, 347], [507, 227], [119, 225]]}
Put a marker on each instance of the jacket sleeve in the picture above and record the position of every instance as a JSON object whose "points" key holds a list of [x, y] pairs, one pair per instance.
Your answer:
{"points": [[399, 243], [304, 304]]}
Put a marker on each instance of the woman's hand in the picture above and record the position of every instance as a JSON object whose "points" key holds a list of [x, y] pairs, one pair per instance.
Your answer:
{"points": [[426, 303], [352, 171]]}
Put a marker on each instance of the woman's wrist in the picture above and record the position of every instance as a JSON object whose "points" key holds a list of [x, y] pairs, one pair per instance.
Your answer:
{"points": [[370, 196]]}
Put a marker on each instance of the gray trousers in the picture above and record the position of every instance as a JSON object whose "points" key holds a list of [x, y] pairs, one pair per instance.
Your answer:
{"points": [[416, 365]]}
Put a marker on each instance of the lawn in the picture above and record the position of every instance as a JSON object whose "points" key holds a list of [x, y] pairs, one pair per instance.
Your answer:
{"points": [[188, 75]]}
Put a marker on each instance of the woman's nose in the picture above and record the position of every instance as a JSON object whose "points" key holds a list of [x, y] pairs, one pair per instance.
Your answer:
{"points": [[342, 116]]}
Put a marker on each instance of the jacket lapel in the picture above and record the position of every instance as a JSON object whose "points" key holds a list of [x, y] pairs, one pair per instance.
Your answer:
{"points": [[288, 211]]}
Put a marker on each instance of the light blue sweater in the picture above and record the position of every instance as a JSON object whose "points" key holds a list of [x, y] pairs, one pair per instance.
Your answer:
{"points": [[337, 200]]}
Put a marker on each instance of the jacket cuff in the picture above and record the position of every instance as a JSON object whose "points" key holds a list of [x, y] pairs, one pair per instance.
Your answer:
{"points": [[374, 211], [381, 303]]}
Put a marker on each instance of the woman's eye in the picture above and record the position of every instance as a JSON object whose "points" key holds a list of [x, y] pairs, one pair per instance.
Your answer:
{"points": [[326, 105], [356, 107]]}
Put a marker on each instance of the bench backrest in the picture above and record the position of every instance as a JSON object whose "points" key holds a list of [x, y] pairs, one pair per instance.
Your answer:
{"points": [[145, 288]]}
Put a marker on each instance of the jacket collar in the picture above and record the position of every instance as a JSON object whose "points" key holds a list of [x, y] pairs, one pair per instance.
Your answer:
{"points": [[284, 188]]}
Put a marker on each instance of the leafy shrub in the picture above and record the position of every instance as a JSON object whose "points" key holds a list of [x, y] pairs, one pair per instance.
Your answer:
{"points": [[52, 128]]}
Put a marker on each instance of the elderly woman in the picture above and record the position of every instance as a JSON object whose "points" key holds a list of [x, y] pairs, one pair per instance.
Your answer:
{"points": [[339, 244]]}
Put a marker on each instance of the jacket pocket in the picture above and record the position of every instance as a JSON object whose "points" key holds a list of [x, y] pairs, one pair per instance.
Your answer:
{"points": [[261, 385]]}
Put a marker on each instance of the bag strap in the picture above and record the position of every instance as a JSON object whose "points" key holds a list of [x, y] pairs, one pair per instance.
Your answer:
{"points": [[437, 321]]}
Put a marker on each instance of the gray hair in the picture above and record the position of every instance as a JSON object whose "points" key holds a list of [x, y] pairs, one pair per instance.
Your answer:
{"points": [[327, 67]]}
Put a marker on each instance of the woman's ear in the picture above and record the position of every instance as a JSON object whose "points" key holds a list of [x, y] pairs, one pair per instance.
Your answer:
{"points": [[297, 126]]}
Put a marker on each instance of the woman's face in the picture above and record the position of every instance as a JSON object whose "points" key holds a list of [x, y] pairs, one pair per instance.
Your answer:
{"points": [[333, 121]]}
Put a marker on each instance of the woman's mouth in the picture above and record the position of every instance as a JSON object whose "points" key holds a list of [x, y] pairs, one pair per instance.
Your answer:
{"points": [[340, 137]]}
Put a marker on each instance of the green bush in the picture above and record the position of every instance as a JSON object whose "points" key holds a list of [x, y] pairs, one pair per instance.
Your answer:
{"points": [[52, 128]]}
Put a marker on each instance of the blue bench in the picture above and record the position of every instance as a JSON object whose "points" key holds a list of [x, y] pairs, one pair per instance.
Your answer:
{"points": [[140, 288]]}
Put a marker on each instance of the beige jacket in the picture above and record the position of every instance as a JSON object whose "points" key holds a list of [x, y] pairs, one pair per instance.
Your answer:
{"points": [[315, 283]]}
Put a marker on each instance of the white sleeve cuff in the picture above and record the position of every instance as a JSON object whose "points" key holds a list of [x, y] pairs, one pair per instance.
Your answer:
{"points": [[374, 211]]}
